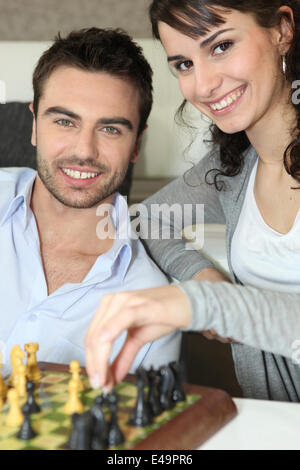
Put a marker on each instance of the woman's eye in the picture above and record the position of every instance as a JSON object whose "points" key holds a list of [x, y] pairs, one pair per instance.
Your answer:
{"points": [[223, 46], [181, 67], [64, 122]]}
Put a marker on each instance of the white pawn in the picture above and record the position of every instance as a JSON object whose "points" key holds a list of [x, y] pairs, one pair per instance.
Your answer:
{"points": [[75, 371], [15, 416], [21, 380], [73, 405]]}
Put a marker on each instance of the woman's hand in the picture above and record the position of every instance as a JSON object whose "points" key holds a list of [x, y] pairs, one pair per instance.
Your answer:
{"points": [[145, 314]]}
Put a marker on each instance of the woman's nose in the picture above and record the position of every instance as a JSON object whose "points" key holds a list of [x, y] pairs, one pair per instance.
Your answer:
{"points": [[206, 83]]}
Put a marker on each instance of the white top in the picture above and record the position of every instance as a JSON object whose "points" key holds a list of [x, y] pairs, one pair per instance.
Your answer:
{"points": [[262, 257]]}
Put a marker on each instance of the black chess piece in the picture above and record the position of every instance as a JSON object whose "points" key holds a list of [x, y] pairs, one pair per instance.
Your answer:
{"points": [[81, 435], [166, 387], [153, 395], [115, 435], [26, 431], [141, 415], [99, 425], [31, 402], [178, 393]]}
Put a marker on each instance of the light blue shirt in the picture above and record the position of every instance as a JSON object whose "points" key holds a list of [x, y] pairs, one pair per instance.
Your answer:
{"points": [[59, 321]]}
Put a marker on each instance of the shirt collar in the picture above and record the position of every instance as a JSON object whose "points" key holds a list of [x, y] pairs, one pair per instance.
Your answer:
{"points": [[117, 259], [21, 199]]}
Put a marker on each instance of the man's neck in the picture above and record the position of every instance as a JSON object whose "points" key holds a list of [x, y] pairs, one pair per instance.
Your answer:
{"points": [[66, 227]]}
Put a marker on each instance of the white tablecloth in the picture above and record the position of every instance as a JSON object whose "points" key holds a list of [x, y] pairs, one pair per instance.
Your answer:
{"points": [[260, 425]]}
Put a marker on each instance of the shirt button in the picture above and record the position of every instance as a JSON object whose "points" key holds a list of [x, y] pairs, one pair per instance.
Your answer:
{"points": [[33, 317]]}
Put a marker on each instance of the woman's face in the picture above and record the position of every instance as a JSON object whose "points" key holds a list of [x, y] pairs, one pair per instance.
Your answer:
{"points": [[235, 79]]}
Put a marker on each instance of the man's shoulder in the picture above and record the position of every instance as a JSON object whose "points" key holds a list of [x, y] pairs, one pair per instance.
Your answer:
{"points": [[143, 268], [12, 181], [15, 175]]}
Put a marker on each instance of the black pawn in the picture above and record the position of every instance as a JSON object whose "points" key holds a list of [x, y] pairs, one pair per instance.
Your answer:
{"points": [[178, 393], [141, 415], [99, 426], [81, 436], [26, 431], [166, 387], [32, 404], [153, 397], [115, 435]]}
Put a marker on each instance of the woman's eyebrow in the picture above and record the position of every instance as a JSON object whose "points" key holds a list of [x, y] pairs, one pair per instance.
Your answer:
{"points": [[203, 44], [209, 40]]}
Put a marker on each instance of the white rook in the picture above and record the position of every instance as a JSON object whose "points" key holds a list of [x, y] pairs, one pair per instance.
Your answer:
{"points": [[2, 92]]}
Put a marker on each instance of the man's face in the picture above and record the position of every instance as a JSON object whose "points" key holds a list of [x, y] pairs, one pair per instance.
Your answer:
{"points": [[86, 135]]}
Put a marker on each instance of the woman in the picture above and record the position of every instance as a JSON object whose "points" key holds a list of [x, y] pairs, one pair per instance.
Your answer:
{"points": [[236, 62]]}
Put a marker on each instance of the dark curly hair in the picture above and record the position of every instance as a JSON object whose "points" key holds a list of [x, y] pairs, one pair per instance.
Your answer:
{"points": [[194, 18], [101, 50]]}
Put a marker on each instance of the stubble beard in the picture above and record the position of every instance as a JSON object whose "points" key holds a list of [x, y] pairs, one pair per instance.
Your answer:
{"points": [[81, 198]]}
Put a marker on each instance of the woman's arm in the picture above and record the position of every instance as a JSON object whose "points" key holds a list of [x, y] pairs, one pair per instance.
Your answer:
{"points": [[180, 204], [261, 318]]}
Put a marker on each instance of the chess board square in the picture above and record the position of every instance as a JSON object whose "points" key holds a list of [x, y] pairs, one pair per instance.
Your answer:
{"points": [[42, 427], [57, 388], [12, 444], [56, 416], [49, 441], [52, 379]]}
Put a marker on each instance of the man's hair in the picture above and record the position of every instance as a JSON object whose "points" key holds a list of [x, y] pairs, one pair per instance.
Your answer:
{"points": [[98, 50]]}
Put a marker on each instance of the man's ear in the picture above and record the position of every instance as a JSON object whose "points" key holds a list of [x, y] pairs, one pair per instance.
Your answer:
{"points": [[33, 135], [136, 151]]}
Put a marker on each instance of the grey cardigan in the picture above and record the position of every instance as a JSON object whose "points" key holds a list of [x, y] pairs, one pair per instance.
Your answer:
{"points": [[265, 323]]}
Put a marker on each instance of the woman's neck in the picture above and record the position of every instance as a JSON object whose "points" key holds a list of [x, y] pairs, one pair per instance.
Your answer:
{"points": [[272, 134]]}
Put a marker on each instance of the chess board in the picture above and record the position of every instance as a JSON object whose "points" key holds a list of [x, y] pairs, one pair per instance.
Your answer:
{"points": [[186, 426]]}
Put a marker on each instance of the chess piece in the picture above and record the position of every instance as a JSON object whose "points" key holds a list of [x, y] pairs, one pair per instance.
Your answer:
{"points": [[141, 415], [3, 387], [115, 435], [75, 371], [99, 425], [153, 397], [32, 370], [21, 380], [31, 402], [81, 435], [166, 387], [26, 432], [16, 356], [178, 393], [73, 405], [14, 416]]}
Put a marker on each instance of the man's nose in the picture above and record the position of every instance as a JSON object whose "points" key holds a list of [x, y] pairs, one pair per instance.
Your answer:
{"points": [[86, 144]]}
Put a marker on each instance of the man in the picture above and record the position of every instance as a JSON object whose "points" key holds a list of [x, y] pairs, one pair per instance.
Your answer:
{"points": [[92, 98]]}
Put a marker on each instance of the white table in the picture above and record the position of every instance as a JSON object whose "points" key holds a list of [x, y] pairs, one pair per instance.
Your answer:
{"points": [[260, 425]]}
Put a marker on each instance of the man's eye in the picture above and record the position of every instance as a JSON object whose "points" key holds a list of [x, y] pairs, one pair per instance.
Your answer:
{"points": [[223, 46], [64, 122], [111, 130]]}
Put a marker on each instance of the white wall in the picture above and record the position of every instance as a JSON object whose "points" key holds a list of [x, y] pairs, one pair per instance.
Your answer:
{"points": [[164, 143]]}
